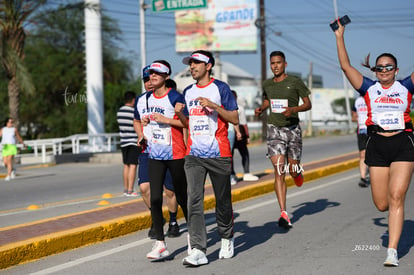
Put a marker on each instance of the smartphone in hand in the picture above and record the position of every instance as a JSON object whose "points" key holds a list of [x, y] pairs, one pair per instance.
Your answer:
{"points": [[142, 142], [344, 20]]}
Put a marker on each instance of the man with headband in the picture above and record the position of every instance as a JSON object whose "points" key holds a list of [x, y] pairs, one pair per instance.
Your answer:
{"points": [[210, 106]]}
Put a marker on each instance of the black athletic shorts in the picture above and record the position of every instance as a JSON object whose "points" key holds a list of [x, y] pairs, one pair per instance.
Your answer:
{"points": [[130, 154], [362, 141], [382, 151]]}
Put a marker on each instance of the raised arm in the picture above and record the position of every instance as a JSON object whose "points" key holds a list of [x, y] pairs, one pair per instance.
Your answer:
{"points": [[353, 75]]}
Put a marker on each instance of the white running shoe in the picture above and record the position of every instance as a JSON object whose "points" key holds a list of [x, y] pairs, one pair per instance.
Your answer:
{"points": [[13, 174], [159, 250], [233, 180], [7, 178], [196, 258], [250, 177], [227, 248], [392, 257]]}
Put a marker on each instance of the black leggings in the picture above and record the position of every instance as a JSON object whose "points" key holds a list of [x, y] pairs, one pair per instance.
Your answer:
{"points": [[157, 170], [244, 153]]}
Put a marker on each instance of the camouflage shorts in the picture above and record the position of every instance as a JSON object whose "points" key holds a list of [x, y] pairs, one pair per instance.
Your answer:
{"points": [[285, 141]]}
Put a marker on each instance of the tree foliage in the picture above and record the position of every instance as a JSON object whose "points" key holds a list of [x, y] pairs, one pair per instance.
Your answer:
{"points": [[339, 105], [14, 14], [55, 56]]}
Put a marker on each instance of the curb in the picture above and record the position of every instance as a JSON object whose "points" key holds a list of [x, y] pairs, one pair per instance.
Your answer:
{"points": [[34, 166], [35, 248]]}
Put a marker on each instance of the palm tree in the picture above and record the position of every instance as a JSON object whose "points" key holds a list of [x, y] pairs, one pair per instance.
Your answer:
{"points": [[14, 15]]}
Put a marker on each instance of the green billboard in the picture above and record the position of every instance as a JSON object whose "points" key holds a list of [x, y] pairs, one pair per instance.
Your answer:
{"points": [[174, 5]]}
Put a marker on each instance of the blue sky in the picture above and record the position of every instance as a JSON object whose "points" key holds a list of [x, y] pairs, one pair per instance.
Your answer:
{"points": [[300, 28]]}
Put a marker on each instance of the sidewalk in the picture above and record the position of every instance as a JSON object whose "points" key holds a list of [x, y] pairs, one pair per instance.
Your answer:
{"points": [[38, 239]]}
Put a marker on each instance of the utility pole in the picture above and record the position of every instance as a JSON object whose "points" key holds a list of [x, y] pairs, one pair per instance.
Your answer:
{"points": [[261, 25], [310, 82], [94, 67], [347, 105], [142, 8]]}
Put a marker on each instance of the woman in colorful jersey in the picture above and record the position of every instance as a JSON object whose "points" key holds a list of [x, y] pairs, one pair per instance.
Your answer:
{"points": [[390, 147], [166, 149]]}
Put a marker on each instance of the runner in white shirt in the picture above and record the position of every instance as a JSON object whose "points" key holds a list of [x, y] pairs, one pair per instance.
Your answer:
{"points": [[166, 148], [360, 115], [390, 146], [211, 106]]}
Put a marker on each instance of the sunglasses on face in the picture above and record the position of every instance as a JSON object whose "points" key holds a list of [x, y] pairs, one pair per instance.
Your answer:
{"points": [[158, 73], [386, 67], [195, 61]]}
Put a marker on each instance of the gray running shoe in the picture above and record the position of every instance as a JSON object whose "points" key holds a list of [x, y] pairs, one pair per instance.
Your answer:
{"points": [[173, 230], [196, 258], [363, 183], [392, 257], [227, 248]]}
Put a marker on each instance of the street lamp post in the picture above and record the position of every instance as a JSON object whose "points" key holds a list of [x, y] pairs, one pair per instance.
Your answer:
{"points": [[347, 106]]}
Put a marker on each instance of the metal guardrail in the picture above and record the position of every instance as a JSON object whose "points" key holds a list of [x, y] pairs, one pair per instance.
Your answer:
{"points": [[75, 144]]}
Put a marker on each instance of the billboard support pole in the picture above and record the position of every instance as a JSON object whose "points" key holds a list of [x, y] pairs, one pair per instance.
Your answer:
{"points": [[142, 8], [219, 69]]}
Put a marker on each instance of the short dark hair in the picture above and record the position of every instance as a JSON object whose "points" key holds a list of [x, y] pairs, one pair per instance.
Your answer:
{"points": [[234, 93], [208, 54], [129, 96], [169, 83], [7, 120], [162, 61], [278, 53]]}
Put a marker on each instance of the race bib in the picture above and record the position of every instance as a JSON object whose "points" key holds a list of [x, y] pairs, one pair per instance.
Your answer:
{"points": [[161, 136], [391, 120], [200, 126], [361, 124], [278, 105]]}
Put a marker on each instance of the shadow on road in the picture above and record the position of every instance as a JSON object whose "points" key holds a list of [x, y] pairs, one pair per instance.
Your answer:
{"points": [[407, 236], [247, 237], [310, 208]]}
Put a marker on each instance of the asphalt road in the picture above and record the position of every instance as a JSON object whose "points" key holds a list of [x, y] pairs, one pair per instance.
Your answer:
{"points": [[336, 230], [74, 187]]}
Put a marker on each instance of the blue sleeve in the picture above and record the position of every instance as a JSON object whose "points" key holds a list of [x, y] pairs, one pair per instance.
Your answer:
{"points": [[227, 98], [185, 111], [408, 83], [175, 97], [366, 83], [136, 113]]}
